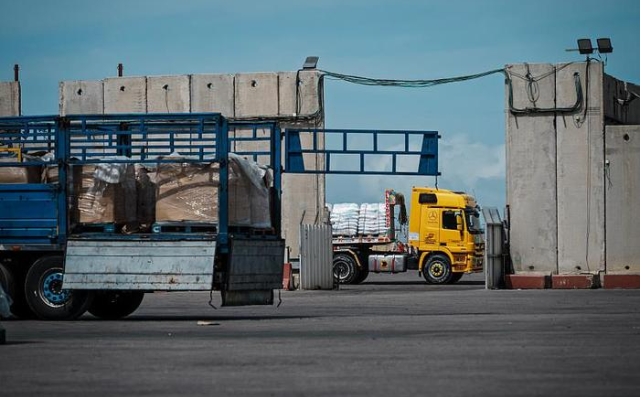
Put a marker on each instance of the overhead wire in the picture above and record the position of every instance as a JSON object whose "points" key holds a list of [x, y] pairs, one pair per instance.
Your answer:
{"points": [[406, 83]]}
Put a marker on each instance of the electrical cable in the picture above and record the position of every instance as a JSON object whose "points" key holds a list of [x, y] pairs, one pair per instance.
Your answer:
{"points": [[532, 91], [406, 83]]}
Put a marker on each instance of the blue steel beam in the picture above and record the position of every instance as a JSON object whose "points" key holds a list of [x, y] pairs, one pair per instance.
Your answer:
{"points": [[426, 155]]}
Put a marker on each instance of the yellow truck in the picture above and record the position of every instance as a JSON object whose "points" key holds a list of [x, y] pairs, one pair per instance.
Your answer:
{"points": [[444, 239]]}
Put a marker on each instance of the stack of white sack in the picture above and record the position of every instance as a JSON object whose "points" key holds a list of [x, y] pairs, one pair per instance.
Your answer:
{"points": [[344, 219], [371, 219]]}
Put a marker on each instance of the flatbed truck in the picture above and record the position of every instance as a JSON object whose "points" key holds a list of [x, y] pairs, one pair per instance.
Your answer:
{"points": [[56, 268], [445, 239]]}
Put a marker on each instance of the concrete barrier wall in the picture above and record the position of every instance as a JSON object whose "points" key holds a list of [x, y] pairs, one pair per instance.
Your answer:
{"points": [[81, 97], [213, 93], [256, 94], [620, 101], [168, 94], [10, 98], [531, 172], [572, 181], [622, 199], [580, 187], [125, 95]]}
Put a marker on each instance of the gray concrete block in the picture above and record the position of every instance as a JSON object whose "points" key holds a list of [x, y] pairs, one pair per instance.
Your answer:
{"points": [[580, 180], [622, 198], [303, 194], [530, 174], [213, 93], [81, 97], [287, 94], [298, 93], [620, 101], [256, 95], [125, 95], [10, 98], [310, 92], [168, 94]]}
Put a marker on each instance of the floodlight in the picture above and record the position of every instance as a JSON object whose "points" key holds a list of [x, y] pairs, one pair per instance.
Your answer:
{"points": [[310, 63], [585, 46], [604, 45]]}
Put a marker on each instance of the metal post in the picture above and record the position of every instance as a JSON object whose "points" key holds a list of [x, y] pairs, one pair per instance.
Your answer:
{"points": [[493, 248], [16, 72]]}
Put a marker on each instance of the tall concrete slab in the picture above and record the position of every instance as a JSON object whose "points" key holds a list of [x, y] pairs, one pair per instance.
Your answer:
{"points": [[168, 94], [287, 93], [125, 95], [622, 199], [620, 101], [531, 169], [213, 93], [310, 93], [299, 93], [256, 95], [303, 195], [81, 97], [580, 176], [10, 98]]}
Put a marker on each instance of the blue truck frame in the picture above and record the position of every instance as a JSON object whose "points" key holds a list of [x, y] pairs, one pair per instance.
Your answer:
{"points": [[38, 242]]}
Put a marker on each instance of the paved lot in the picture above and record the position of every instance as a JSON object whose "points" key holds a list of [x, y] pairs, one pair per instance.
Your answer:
{"points": [[391, 336]]}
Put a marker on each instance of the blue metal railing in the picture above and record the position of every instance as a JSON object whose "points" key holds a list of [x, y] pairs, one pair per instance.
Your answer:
{"points": [[134, 138], [386, 152]]}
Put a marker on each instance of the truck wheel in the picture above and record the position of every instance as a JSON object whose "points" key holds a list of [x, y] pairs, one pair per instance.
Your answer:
{"points": [[362, 275], [45, 296], [455, 277], [7, 284], [6, 281], [13, 285], [114, 305], [345, 268], [437, 270]]}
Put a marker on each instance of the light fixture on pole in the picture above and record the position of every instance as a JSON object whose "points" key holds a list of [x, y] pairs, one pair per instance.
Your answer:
{"points": [[604, 45], [310, 63], [585, 46]]}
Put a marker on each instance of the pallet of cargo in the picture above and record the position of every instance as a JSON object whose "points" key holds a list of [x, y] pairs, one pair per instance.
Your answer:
{"points": [[103, 227], [184, 227], [251, 231], [361, 239]]}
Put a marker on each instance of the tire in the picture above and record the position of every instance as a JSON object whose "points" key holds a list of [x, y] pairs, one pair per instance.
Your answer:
{"points": [[45, 296], [345, 268], [437, 269], [8, 287], [13, 285], [456, 277], [7, 282], [362, 275], [114, 305]]}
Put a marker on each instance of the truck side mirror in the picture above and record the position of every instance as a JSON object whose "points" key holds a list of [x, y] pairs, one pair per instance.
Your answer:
{"points": [[459, 222]]}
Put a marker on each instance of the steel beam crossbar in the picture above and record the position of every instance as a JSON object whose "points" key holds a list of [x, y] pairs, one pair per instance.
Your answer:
{"points": [[366, 152]]}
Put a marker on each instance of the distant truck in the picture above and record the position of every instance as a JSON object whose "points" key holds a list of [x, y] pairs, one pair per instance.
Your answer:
{"points": [[444, 239]]}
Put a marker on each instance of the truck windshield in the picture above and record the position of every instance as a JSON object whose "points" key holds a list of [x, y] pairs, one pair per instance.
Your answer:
{"points": [[473, 221]]}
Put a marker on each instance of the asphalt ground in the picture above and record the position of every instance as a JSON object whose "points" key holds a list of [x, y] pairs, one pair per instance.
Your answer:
{"points": [[393, 335]]}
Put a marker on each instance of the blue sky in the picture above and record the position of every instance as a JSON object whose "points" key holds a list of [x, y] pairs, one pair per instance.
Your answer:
{"points": [[77, 40]]}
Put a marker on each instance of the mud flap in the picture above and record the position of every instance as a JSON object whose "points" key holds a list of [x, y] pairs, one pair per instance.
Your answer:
{"points": [[255, 270]]}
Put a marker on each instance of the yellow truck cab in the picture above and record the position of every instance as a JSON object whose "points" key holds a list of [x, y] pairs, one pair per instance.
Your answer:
{"points": [[445, 233]]}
